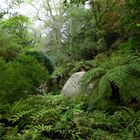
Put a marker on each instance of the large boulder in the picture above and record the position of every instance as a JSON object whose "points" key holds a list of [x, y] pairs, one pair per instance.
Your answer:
{"points": [[72, 86]]}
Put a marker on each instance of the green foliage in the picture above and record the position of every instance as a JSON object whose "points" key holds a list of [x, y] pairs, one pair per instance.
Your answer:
{"points": [[8, 46], [17, 27], [81, 34], [107, 35], [104, 25], [52, 117], [115, 79], [21, 77], [131, 17], [42, 58]]}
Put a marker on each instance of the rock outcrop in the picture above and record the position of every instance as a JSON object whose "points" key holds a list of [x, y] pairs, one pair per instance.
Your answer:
{"points": [[72, 86]]}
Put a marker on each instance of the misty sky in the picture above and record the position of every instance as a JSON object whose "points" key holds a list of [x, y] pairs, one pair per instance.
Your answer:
{"points": [[29, 10]]}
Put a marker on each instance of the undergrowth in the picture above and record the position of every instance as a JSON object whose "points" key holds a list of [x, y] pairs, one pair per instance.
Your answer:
{"points": [[45, 117]]}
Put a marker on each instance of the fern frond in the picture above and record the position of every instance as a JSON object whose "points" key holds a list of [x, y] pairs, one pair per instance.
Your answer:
{"points": [[42, 127], [135, 65], [91, 77], [16, 117], [19, 106], [119, 75], [40, 114], [103, 90]]}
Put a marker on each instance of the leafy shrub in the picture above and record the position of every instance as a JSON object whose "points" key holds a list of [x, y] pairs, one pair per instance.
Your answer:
{"points": [[21, 78], [17, 27], [8, 46], [42, 58]]}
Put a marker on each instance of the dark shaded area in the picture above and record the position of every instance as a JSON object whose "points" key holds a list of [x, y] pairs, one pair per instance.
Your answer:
{"points": [[110, 38], [105, 127], [53, 135], [42, 58], [115, 93], [89, 53]]}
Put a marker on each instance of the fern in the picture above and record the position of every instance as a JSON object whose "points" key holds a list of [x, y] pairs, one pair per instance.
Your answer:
{"points": [[20, 115], [42, 127], [45, 116], [121, 71]]}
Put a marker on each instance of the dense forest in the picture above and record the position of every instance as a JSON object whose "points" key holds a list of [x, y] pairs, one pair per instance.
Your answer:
{"points": [[100, 38]]}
